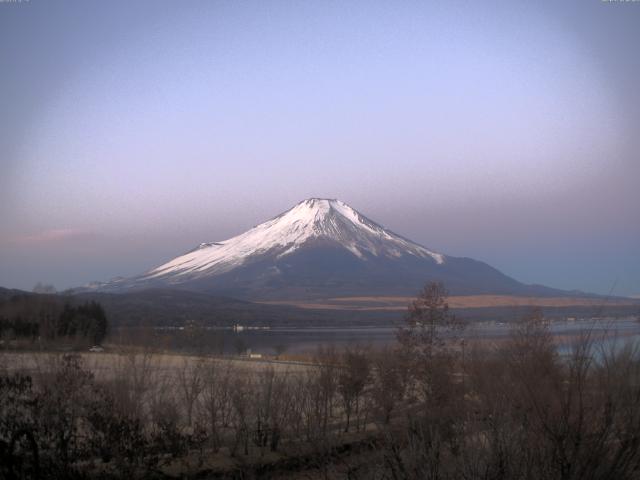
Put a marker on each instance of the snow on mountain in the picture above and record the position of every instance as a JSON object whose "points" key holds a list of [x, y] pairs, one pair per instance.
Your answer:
{"points": [[320, 248], [312, 220]]}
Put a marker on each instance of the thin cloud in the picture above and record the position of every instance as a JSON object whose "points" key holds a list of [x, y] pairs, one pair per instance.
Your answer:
{"points": [[52, 236]]}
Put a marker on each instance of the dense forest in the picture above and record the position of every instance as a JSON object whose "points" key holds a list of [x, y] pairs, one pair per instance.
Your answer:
{"points": [[52, 318]]}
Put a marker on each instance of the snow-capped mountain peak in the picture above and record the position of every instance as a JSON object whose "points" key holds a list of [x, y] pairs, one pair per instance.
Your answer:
{"points": [[320, 248], [312, 221]]}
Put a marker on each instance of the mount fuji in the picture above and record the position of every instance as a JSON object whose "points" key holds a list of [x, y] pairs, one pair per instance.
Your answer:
{"points": [[320, 248]]}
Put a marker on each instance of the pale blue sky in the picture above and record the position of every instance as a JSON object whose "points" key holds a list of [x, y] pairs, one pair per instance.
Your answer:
{"points": [[503, 131]]}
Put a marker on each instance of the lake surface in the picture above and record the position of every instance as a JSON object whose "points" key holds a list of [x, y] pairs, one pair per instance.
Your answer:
{"points": [[305, 340]]}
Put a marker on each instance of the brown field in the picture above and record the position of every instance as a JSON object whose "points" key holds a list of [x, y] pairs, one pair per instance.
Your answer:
{"points": [[461, 301], [107, 365]]}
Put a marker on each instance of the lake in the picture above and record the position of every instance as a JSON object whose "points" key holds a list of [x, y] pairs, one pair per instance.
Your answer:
{"points": [[306, 340]]}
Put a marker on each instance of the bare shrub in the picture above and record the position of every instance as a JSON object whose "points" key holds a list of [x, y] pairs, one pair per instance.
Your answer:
{"points": [[19, 451], [62, 409], [118, 437]]}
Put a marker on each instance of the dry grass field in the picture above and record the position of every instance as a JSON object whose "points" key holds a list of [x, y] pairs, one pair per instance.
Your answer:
{"points": [[109, 365], [391, 303]]}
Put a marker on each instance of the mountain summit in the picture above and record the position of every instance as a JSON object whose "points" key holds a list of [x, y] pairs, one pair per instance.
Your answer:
{"points": [[320, 248], [316, 221]]}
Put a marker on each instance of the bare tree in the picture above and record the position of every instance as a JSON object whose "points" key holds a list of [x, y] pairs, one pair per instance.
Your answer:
{"points": [[190, 384], [428, 343], [326, 383], [352, 379], [136, 374], [216, 399], [428, 318], [241, 399], [272, 401], [389, 383]]}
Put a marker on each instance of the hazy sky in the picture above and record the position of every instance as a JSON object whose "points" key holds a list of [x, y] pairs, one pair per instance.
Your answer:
{"points": [[505, 131]]}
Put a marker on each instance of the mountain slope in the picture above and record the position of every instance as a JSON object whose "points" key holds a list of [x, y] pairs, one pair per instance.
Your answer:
{"points": [[320, 248], [321, 220]]}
